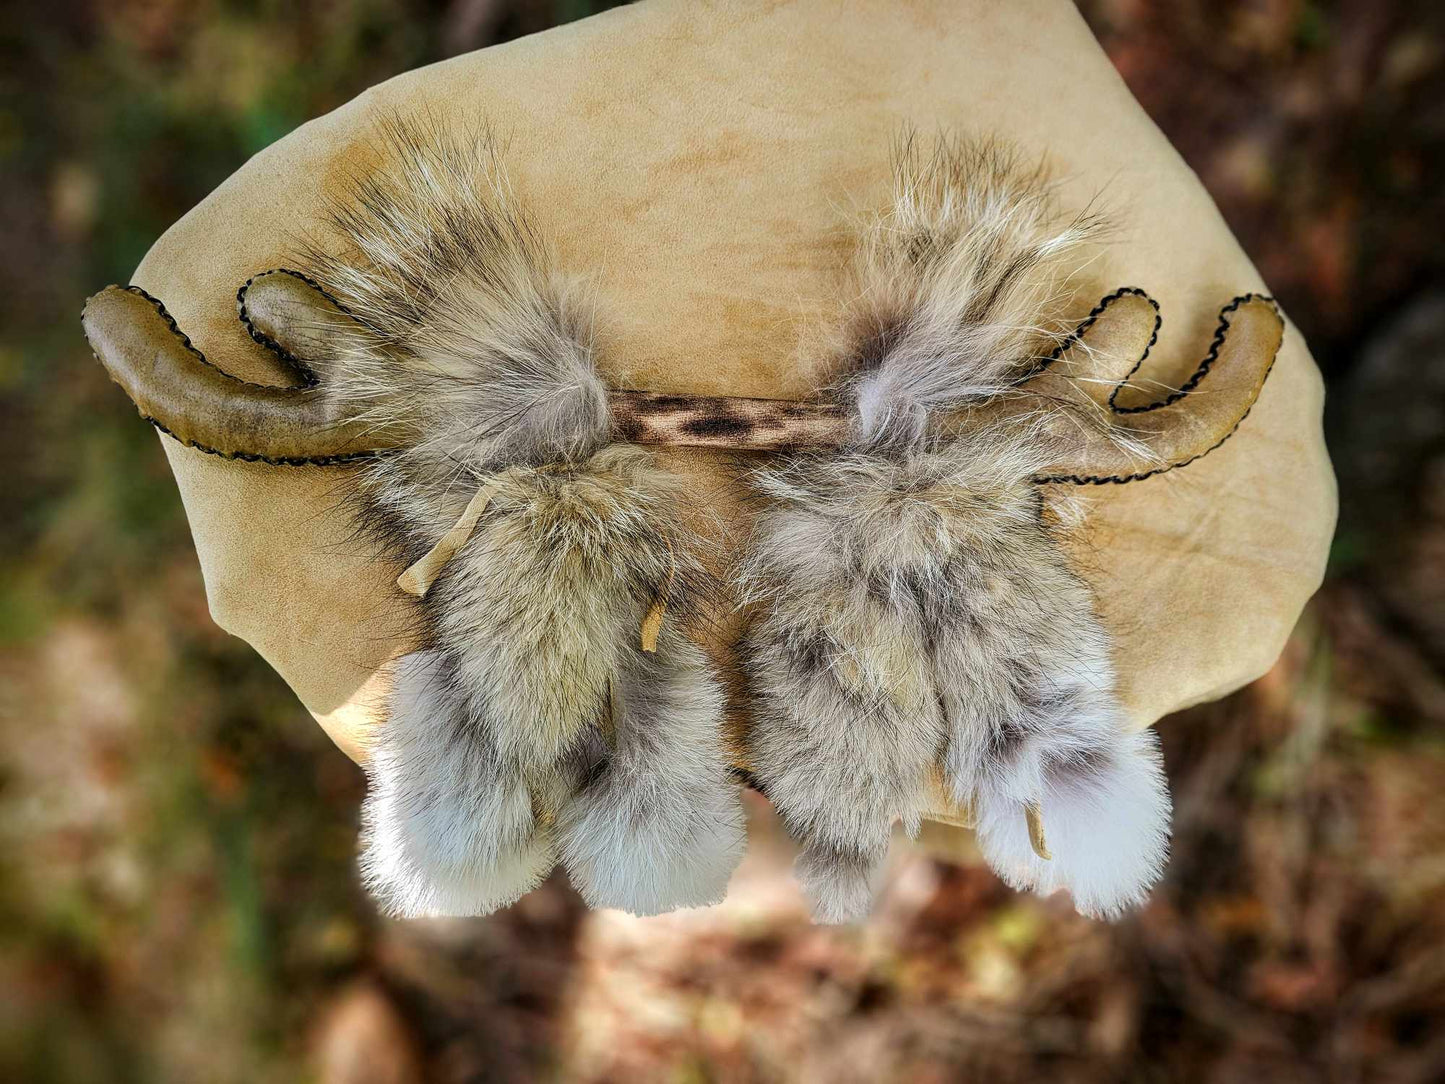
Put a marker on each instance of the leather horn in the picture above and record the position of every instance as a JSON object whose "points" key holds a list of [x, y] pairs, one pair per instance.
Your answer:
{"points": [[177, 389], [1109, 443], [1075, 394]]}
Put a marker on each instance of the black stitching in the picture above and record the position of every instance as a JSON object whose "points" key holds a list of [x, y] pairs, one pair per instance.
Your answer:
{"points": [[1148, 348], [312, 379], [249, 457], [1119, 480], [1190, 385], [1089, 321], [308, 374], [186, 342], [275, 461], [1204, 366]]}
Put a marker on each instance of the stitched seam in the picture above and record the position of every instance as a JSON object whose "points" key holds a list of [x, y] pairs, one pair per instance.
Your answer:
{"points": [[1200, 373], [190, 346], [308, 374], [254, 457], [1089, 321], [249, 457], [1148, 349], [1118, 480], [312, 379]]}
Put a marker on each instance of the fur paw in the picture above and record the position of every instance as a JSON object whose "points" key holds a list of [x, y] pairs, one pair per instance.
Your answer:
{"points": [[420, 870], [449, 829], [650, 849], [1106, 819], [659, 824]]}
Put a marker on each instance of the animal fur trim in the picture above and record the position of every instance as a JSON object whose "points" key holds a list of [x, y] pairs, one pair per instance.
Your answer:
{"points": [[533, 727], [963, 287], [913, 609]]}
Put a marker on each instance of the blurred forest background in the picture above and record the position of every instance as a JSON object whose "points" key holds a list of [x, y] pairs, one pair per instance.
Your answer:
{"points": [[177, 890]]}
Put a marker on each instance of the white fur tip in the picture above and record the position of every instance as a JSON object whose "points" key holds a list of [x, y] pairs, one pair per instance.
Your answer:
{"points": [[1107, 826], [448, 828], [410, 883], [654, 849]]}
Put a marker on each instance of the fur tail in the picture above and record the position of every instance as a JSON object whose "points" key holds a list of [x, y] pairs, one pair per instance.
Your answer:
{"points": [[448, 824], [846, 721], [657, 824], [1105, 812], [914, 605]]}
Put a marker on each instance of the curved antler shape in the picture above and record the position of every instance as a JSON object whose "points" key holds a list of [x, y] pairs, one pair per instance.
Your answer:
{"points": [[1115, 445], [294, 318], [178, 390], [1099, 356]]}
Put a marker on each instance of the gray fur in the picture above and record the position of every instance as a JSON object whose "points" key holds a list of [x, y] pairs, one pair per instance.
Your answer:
{"points": [[657, 824], [1105, 802], [839, 880], [448, 825], [501, 761], [914, 611], [964, 285], [469, 341]]}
